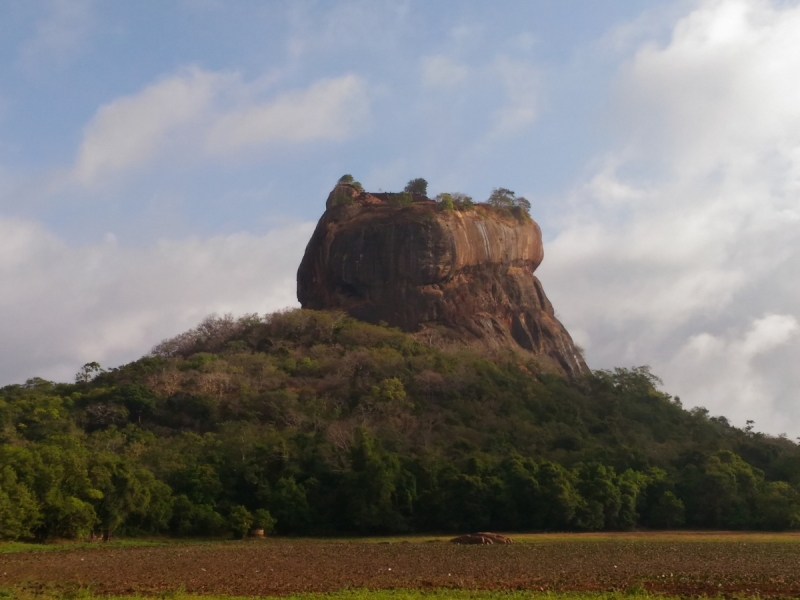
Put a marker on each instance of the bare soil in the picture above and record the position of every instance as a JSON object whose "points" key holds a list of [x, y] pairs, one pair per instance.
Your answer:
{"points": [[280, 567]]}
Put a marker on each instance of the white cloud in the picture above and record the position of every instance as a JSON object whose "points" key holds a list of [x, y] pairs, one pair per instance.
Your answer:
{"points": [[714, 368], [133, 130], [331, 109], [64, 305], [522, 85], [60, 35], [443, 72], [691, 223], [199, 114]]}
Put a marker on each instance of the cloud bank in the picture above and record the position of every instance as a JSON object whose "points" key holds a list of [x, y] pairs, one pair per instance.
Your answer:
{"points": [[682, 250], [65, 305]]}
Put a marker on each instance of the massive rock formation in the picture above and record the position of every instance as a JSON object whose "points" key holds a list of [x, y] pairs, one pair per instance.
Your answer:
{"points": [[406, 261]]}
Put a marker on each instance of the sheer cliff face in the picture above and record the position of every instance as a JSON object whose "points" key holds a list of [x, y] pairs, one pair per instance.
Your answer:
{"points": [[418, 267]]}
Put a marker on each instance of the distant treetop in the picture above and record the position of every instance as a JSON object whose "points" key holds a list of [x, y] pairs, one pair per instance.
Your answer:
{"points": [[349, 180], [417, 186], [505, 198], [455, 201]]}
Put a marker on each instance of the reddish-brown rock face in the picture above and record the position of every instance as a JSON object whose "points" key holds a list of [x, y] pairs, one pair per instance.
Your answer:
{"points": [[418, 267]]}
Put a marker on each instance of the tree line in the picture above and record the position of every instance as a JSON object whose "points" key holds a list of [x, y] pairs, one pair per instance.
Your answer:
{"points": [[311, 422]]}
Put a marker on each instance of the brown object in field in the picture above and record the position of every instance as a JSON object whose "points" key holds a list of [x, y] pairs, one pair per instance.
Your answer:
{"points": [[463, 277], [482, 537], [256, 533], [496, 537]]}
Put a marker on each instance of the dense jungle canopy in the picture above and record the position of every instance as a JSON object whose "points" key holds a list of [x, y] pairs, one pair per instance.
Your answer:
{"points": [[315, 423]]}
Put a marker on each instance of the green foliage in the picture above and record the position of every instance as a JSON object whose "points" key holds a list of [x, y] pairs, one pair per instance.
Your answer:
{"points": [[505, 199], [19, 511], [455, 201], [240, 520], [314, 423], [502, 198], [462, 201], [417, 186], [88, 372], [349, 180], [446, 201], [668, 511], [262, 519]]}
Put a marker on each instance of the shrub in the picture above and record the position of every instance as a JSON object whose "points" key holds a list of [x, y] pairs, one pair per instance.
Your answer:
{"points": [[462, 201], [502, 198], [446, 201], [262, 519], [505, 198], [240, 519], [417, 186], [349, 180]]}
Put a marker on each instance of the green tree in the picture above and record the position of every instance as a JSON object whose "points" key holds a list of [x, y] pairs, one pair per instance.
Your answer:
{"points": [[189, 518], [630, 484], [290, 506], [262, 519], [667, 512], [523, 493], [380, 492], [446, 201], [348, 179], [139, 401], [602, 499], [240, 520], [723, 493], [462, 201], [88, 372], [558, 500], [502, 198], [19, 512], [778, 506], [126, 489], [417, 186], [524, 204], [57, 474]]}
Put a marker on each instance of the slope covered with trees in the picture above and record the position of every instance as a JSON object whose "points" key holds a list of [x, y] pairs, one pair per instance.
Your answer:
{"points": [[313, 422]]}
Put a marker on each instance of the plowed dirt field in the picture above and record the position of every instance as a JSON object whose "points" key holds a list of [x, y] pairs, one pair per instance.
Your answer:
{"points": [[279, 567]]}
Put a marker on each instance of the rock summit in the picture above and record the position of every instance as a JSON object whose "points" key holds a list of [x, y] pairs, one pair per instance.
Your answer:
{"points": [[410, 262]]}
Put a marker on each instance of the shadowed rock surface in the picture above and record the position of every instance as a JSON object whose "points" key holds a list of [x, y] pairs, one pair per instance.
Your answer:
{"points": [[464, 275]]}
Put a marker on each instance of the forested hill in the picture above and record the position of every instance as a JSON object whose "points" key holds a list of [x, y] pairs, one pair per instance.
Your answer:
{"points": [[318, 423]]}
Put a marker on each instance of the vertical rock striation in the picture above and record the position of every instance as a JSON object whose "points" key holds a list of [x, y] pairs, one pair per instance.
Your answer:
{"points": [[402, 260]]}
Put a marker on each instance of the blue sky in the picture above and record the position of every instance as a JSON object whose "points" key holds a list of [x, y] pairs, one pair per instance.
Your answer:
{"points": [[160, 161], [68, 60]]}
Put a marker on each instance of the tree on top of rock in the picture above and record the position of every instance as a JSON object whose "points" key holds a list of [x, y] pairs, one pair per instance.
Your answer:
{"points": [[417, 186], [349, 180], [502, 198], [505, 198]]}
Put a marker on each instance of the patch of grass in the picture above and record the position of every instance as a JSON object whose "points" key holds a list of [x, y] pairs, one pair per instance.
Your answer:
{"points": [[14, 547]]}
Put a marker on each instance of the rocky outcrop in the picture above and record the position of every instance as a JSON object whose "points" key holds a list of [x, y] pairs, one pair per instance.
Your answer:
{"points": [[406, 261]]}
